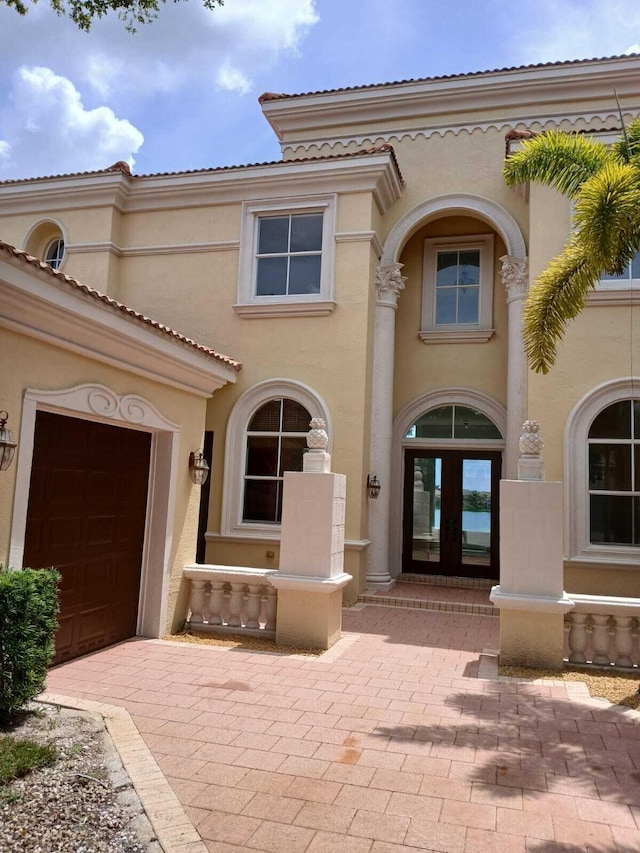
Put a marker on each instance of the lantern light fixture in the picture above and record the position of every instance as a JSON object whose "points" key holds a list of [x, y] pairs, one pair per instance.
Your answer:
{"points": [[198, 467], [373, 486], [7, 442]]}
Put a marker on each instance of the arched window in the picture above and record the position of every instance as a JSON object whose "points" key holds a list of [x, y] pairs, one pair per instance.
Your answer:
{"points": [[54, 253], [46, 240], [276, 441], [457, 422], [266, 436], [602, 473]]}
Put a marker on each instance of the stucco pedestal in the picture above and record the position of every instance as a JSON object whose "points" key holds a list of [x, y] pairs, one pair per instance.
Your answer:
{"points": [[309, 610], [530, 595]]}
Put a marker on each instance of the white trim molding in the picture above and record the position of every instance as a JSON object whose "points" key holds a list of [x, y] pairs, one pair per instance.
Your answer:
{"points": [[408, 415], [576, 475], [37, 304], [445, 205], [236, 447], [249, 304], [94, 402]]}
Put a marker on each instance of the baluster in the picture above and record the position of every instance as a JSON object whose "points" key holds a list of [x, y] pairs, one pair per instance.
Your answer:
{"points": [[216, 603], [226, 599], [635, 642], [601, 639], [235, 605], [622, 641], [253, 606], [197, 602], [270, 609], [577, 637], [566, 629]]}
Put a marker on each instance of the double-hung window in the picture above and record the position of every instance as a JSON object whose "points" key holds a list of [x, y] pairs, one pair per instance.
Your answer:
{"points": [[276, 442], [457, 293], [614, 475], [286, 258], [289, 254]]}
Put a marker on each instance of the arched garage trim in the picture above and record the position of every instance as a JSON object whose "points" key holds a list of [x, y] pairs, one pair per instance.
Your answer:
{"points": [[100, 403]]}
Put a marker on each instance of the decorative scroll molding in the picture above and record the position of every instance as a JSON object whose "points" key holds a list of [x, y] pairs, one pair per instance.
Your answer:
{"points": [[336, 144], [102, 401], [515, 276], [389, 283]]}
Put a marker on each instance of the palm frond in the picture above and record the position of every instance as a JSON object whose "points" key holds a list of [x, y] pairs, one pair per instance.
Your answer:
{"points": [[557, 159], [607, 216], [628, 147], [558, 295]]}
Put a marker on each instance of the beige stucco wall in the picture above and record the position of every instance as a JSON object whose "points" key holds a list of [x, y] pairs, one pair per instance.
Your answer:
{"points": [[38, 365], [421, 367]]}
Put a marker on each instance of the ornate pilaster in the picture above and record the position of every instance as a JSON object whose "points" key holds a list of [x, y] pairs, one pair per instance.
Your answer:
{"points": [[389, 282], [515, 277]]}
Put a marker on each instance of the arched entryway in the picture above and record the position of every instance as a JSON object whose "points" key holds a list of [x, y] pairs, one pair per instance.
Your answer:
{"points": [[448, 449]]}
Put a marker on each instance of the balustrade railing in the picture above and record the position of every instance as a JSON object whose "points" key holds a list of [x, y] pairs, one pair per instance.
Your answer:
{"points": [[603, 631], [226, 599]]}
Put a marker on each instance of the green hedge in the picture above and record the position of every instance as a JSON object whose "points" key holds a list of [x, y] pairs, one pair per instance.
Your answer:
{"points": [[28, 609]]}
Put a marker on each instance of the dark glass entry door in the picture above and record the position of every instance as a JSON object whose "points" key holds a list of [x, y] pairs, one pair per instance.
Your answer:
{"points": [[450, 524]]}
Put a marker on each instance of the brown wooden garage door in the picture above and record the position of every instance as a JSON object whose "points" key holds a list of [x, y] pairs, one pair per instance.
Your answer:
{"points": [[86, 516]]}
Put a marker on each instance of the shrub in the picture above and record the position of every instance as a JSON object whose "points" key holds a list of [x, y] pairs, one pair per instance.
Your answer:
{"points": [[28, 608]]}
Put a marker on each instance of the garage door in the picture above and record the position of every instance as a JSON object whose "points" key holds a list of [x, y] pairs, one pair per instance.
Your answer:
{"points": [[86, 516]]}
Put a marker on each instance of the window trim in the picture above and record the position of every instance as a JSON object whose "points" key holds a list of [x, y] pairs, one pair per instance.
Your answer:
{"points": [[251, 305], [236, 449], [479, 332], [576, 475], [55, 263]]}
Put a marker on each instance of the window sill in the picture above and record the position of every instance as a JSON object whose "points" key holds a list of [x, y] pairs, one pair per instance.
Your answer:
{"points": [[285, 309], [457, 336], [628, 296], [258, 538], [622, 557]]}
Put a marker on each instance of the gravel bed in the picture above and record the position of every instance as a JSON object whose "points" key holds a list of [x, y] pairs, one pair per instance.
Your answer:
{"points": [[84, 803]]}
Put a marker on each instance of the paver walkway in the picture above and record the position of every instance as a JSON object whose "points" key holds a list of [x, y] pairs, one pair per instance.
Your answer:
{"points": [[387, 743]]}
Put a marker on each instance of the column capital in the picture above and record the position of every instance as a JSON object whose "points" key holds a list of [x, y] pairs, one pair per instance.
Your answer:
{"points": [[389, 283], [515, 276]]}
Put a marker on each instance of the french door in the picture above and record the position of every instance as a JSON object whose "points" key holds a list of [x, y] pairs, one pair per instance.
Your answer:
{"points": [[450, 519]]}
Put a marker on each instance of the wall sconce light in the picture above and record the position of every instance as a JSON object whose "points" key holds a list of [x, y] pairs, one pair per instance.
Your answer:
{"points": [[198, 467], [373, 486], [7, 442]]}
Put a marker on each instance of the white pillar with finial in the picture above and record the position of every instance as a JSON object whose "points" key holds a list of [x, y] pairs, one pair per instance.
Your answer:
{"points": [[311, 574], [531, 594]]}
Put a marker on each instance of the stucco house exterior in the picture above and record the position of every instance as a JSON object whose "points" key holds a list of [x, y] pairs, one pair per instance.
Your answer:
{"points": [[373, 277]]}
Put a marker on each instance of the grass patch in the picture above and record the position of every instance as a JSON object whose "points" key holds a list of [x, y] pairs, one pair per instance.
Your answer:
{"points": [[19, 757], [620, 688]]}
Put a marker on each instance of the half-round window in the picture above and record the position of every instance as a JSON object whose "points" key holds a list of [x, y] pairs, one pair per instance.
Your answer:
{"points": [[276, 442], [47, 242], [54, 253], [458, 422]]}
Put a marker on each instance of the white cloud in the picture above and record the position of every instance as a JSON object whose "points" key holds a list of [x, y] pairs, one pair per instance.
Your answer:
{"points": [[579, 29], [46, 129]]}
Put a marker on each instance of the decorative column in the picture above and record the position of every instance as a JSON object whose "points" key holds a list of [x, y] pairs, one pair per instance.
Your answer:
{"points": [[530, 595], [515, 277], [389, 283]]}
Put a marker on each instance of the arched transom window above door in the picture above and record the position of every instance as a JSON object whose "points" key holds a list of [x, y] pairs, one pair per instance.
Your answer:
{"points": [[461, 423]]}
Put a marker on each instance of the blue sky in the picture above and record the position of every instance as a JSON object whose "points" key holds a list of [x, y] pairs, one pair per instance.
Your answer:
{"points": [[182, 92]]}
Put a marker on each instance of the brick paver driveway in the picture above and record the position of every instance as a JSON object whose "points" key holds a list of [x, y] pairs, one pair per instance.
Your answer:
{"points": [[387, 743]]}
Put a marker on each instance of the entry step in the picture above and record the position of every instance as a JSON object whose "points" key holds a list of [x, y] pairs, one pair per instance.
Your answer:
{"points": [[447, 580], [426, 596]]}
